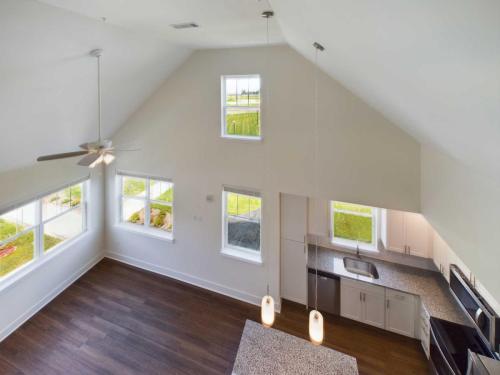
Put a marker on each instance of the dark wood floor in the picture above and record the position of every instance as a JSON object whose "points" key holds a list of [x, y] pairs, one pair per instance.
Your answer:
{"points": [[120, 320]]}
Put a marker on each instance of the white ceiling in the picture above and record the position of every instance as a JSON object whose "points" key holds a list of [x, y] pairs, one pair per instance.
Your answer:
{"points": [[223, 23], [431, 66], [48, 81]]}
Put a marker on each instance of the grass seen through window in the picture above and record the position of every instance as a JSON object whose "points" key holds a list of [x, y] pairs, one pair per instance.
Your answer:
{"points": [[352, 222]]}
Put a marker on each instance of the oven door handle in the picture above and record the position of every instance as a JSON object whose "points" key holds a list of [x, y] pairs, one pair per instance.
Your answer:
{"points": [[441, 352], [477, 316]]}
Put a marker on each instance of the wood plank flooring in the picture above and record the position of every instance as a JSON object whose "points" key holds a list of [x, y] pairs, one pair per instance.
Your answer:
{"points": [[117, 319]]}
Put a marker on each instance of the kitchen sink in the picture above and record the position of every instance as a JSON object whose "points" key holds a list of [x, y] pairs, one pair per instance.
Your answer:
{"points": [[360, 267]]}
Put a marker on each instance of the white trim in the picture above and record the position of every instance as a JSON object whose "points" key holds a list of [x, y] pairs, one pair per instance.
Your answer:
{"points": [[243, 137], [237, 251], [142, 230], [48, 297], [190, 279], [146, 227], [142, 175], [351, 244], [253, 108], [22, 202], [244, 255], [40, 256], [19, 273]]}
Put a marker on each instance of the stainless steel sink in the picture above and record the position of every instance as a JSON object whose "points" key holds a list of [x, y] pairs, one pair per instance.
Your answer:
{"points": [[360, 267]]}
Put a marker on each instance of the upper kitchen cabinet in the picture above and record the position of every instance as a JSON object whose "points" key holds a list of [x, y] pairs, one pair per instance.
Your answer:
{"points": [[293, 217], [407, 233]]}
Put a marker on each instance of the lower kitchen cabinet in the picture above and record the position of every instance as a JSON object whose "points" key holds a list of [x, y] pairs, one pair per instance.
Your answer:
{"points": [[400, 312], [362, 302]]}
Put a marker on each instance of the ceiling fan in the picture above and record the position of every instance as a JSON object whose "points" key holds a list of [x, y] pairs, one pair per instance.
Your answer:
{"points": [[100, 151]]}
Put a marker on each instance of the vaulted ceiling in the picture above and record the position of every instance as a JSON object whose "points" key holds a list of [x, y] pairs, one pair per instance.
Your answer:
{"points": [[432, 67], [48, 99]]}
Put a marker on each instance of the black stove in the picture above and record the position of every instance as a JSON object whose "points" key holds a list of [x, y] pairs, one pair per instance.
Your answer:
{"points": [[450, 342], [449, 345]]}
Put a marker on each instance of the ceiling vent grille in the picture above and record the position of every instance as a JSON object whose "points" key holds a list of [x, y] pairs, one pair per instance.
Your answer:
{"points": [[185, 25]]}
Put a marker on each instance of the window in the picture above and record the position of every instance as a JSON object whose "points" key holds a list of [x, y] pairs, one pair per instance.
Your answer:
{"points": [[28, 232], [147, 204], [242, 222], [62, 216], [241, 107], [353, 224]]}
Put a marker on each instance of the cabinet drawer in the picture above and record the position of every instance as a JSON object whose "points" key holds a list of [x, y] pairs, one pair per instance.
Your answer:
{"points": [[373, 289]]}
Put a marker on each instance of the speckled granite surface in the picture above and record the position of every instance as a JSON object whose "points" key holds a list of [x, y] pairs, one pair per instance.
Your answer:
{"points": [[430, 286], [272, 352]]}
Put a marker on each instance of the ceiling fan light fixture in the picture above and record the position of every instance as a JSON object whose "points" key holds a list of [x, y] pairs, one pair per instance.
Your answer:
{"points": [[98, 161], [108, 158]]}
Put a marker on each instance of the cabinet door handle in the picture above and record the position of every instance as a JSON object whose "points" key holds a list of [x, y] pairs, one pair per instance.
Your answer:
{"points": [[387, 303], [364, 297], [360, 296]]}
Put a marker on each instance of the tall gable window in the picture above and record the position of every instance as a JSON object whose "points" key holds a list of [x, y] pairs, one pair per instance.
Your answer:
{"points": [[146, 204], [241, 107]]}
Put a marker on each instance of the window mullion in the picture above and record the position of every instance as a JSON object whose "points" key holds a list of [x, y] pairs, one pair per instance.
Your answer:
{"points": [[39, 230], [147, 205]]}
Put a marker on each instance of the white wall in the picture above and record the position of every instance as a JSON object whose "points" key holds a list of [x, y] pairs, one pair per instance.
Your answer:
{"points": [[362, 158], [24, 297], [462, 205]]}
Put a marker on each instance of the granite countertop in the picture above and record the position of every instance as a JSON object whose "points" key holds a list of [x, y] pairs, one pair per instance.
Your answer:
{"points": [[269, 351], [429, 285]]}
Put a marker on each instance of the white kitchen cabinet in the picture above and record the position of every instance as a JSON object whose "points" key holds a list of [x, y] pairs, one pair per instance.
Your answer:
{"points": [[407, 232], [293, 217], [293, 271], [394, 238], [351, 299], [293, 248], [373, 306], [400, 312], [425, 328], [362, 302]]}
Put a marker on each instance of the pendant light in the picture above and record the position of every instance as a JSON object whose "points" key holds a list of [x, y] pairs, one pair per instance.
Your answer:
{"points": [[267, 309], [267, 304], [316, 330]]}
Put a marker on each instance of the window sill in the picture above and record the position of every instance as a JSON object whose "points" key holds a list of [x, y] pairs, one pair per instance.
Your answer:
{"points": [[242, 137], [23, 271], [153, 233], [351, 245], [248, 256]]}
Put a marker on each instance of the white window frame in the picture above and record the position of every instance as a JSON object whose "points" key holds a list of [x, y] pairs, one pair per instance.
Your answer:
{"points": [[225, 107], [238, 252], [145, 229], [352, 244], [39, 255]]}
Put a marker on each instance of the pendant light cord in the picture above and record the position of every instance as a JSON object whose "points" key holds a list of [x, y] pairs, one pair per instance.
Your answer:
{"points": [[99, 93], [317, 47], [267, 15]]}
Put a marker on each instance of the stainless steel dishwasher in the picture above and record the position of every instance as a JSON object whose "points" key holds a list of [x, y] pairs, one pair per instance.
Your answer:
{"points": [[328, 291]]}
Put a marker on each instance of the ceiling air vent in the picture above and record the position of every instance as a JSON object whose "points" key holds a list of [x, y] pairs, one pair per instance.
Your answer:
{"points": [[185, 25]]}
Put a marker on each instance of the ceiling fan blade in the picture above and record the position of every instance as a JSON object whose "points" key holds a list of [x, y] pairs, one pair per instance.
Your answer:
{"points": [[85, 146], [126, 149], [89, 159], [61, 156]]}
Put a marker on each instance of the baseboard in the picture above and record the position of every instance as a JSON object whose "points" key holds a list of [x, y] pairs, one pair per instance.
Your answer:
{"points": [[190, 279], [49, 297]]}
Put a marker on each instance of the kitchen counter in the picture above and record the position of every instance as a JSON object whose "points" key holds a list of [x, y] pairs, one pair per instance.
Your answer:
{"points": [[430, 286], [269, 351]]}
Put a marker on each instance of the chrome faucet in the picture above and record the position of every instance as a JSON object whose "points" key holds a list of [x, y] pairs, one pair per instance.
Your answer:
{"points": [[357, 251]]}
